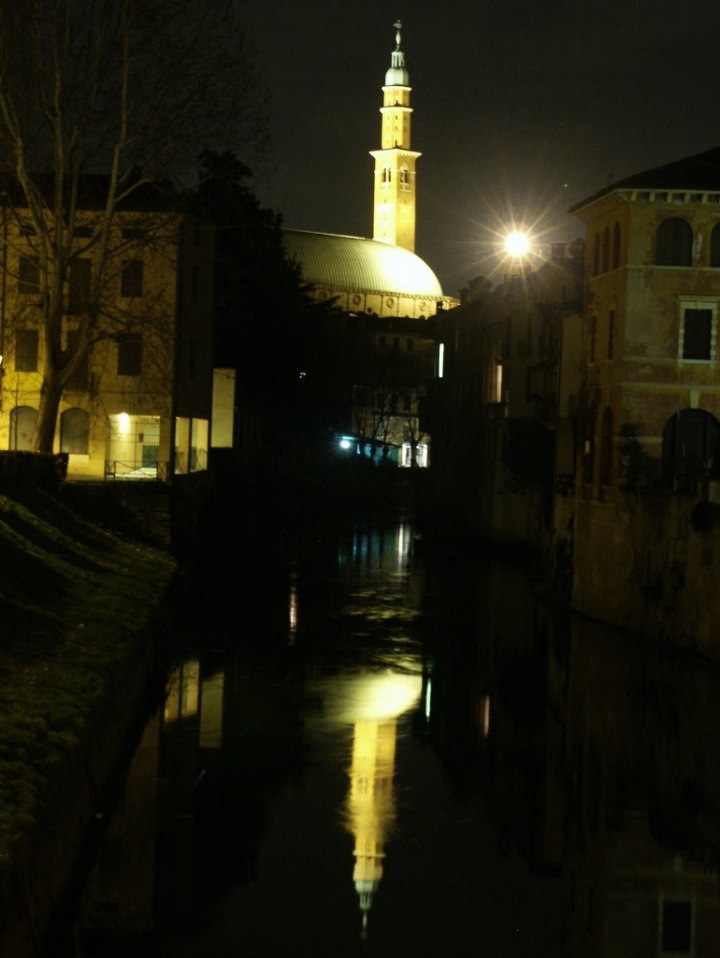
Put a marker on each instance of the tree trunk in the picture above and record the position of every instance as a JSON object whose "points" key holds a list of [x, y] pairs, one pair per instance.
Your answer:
{"points": [[50, 396]]}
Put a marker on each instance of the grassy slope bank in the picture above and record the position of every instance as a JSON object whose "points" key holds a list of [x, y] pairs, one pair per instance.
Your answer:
{"points": [[72, 597]]}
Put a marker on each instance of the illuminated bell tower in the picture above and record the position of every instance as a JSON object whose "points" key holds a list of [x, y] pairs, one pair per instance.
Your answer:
{"points": [[395, 163]]}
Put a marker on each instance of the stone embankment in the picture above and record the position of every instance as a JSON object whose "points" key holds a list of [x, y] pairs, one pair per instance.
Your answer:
{"points": [[648, 564], [76, 649]]}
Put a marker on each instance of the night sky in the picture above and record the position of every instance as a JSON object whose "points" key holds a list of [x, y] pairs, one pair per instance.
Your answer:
{"points": [[521, 108]]}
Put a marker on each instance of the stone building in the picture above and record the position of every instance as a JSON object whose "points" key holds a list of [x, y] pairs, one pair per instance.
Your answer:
{"points": [[651, 399], [139, 405], [503, 402]]}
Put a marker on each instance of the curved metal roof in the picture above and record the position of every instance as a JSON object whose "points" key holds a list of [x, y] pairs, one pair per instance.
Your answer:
{"points": [[351, 262]]}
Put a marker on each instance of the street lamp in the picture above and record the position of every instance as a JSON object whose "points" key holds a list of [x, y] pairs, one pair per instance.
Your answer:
{"points": [[517, 244]]}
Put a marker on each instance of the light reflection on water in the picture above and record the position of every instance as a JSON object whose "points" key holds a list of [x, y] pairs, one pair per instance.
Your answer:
{"points": [[371, 703], [292, 771]]}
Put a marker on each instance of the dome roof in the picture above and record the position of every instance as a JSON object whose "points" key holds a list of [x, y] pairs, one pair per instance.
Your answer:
{"points": [[351, 262], [397, 76]]}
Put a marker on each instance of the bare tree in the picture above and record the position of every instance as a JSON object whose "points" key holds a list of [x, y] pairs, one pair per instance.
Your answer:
{"points": [[100, 102]]}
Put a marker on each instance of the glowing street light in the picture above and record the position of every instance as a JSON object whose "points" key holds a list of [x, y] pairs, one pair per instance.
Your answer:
{"points": [[517, 244]]}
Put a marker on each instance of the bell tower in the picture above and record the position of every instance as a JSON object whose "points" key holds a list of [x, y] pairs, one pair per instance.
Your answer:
{"points": [[394, 221]]}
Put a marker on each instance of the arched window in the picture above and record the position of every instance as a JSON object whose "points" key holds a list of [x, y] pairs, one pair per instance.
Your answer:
{"points": [[691, 445], [606, 250], [22, 426], [404, 178], [596, 255], [673, 242], [616, 246], [386, 176], [715, 246], [606, 448], [74, 432]]}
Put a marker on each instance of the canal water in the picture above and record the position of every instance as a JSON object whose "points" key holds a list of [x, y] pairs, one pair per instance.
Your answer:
{"points": [[370, 745]]}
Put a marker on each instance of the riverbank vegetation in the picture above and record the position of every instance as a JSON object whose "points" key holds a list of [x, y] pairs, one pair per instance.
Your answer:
{"points": [[73, 598]]}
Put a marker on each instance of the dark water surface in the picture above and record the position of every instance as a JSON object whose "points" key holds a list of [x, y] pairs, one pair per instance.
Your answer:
{"points": [[373, 747]]}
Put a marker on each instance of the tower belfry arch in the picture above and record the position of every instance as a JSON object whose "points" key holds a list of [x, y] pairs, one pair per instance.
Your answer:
{"points": [[394, 219]]}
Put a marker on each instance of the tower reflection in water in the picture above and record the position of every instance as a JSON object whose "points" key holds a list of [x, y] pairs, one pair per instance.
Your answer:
{"points": [[372, 702]]}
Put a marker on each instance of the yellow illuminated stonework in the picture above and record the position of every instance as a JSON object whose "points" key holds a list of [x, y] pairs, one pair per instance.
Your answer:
{"points": [[372, 703], [394, 220], [371, 804]]}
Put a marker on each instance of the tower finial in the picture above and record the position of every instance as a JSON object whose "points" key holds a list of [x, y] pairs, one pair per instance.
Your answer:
{"points": [[398, 28]]}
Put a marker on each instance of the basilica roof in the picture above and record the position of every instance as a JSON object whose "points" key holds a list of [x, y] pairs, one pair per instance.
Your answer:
{"points": [[351, 262]]}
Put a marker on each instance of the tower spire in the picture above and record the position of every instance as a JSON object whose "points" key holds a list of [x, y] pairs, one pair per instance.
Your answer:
{"points": [[394, 220]]}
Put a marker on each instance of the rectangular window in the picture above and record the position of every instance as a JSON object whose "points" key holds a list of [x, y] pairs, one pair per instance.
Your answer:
{"points": [[676, 936], [697, 334], [381, 342], [129, 360], [410, 345], [79, 379], [591, 350], [131, 234], [195, 284], [26, 350], [29, 275], [131, 278], [79, 284], [611, 334]]}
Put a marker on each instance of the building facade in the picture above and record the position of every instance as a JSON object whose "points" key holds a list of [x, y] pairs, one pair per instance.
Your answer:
{"points": [[651, 400], [139, 404], [503, 403]]}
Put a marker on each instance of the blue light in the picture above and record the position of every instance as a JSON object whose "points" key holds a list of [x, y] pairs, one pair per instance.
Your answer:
{"points": [[345, 444]]}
